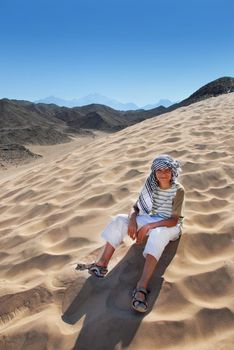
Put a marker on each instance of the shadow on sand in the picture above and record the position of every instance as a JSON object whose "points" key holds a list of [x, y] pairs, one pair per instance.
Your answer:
{"points": [[105, 304]]}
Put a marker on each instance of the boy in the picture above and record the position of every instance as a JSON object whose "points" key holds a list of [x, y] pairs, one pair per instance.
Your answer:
{"points": [[157, 214]]}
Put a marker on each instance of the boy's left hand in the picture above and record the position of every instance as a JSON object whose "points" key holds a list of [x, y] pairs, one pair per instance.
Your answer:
{"points": [[142, 233]]}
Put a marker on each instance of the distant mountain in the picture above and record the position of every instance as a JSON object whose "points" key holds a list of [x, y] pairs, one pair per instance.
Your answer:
{"points": [[56, 101], [162, 102], [100, 99], [89, 99]]}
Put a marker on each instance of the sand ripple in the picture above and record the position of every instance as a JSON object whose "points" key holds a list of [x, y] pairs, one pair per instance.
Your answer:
{"points": [[52, 213]]}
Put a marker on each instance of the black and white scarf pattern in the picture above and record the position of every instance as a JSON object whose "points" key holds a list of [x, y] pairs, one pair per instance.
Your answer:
{"points": [[163, 161]]}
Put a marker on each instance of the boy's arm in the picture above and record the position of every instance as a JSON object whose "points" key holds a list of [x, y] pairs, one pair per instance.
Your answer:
{"points": [[172, 221], [132, 226], [134, 212], [146, 228]]}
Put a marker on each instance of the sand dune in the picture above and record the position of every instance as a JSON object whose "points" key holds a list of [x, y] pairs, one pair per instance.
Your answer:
{"points": [[52, 212]]}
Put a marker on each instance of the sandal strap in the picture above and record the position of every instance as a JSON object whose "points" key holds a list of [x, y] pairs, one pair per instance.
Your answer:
{"points": [[97, 270], [141, 290], [137, 303], [144, 302], [95, 266]]}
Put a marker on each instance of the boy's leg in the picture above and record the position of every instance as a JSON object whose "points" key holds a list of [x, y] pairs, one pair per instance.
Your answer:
{"points": [[156, 243], [114, 233], [106, 255], [139, 300], [149, 267]]}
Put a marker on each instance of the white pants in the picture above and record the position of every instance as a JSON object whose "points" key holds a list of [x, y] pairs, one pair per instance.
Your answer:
{"points": [[117, 229]]}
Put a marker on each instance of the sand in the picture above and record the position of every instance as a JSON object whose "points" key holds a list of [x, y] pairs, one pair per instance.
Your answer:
{"points": [[52, 213]]}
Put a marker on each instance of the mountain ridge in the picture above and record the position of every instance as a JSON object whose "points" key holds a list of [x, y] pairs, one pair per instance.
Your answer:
{"points": [[25, 122], [100, 99]]}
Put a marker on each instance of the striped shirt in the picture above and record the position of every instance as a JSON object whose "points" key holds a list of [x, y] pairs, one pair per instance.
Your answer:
{"points": [[168, 202]]}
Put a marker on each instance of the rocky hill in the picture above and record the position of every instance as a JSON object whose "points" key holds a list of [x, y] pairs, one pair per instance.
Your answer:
{"points": [[25, 122], [15, 154], [215, 88]]}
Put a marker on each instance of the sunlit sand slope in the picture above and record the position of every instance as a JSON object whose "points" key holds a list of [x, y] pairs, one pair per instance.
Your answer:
{"points": [[52, 214]]}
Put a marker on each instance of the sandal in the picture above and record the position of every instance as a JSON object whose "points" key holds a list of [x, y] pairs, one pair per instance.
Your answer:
{"points": [[93, 269], [138, 304]]}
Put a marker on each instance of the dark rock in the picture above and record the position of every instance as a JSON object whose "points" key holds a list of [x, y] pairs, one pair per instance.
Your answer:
{"points": [[15, 154]]}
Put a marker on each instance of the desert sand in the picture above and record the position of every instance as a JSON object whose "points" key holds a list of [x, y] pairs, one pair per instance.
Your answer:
{"points": [[52, 213]]}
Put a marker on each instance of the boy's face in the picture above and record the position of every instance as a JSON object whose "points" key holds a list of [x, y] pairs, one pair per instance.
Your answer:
{"points": [[164, 175]]}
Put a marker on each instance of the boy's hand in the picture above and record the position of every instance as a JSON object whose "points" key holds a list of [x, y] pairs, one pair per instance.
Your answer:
{"points": [[132, 228], [142, 233]]}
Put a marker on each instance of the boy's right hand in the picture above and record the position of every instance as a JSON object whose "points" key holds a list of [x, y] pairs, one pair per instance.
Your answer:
{"points": [[132, 228]]}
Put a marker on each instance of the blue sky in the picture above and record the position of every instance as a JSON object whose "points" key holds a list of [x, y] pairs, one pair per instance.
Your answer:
{"points": [[133, 51]]}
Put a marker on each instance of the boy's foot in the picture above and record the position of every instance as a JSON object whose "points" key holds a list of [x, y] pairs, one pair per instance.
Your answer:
{"points": [[139, 302], [97, 270], [93, 269]]}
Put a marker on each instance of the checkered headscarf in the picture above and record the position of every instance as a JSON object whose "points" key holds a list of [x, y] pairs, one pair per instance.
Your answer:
{"points": [[163, 161]]}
